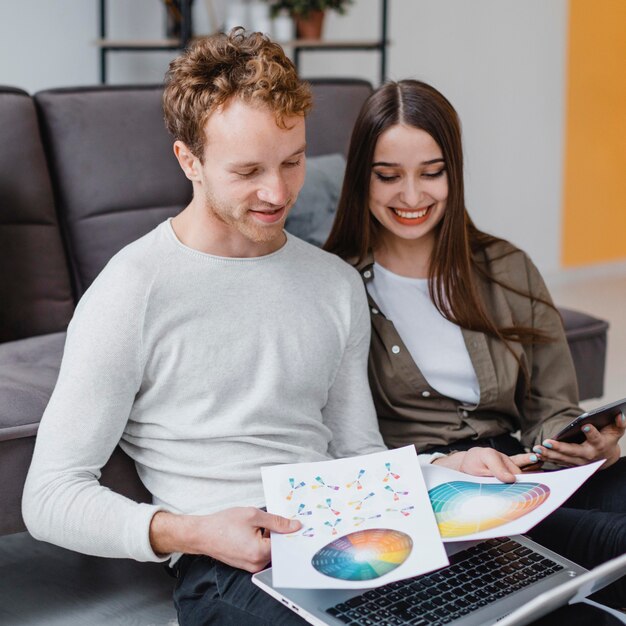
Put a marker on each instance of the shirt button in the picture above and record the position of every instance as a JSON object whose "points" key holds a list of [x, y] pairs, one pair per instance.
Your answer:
{"points": [[374, 311], [464, 413], [367, 274], [426, 394], [395, 349]]}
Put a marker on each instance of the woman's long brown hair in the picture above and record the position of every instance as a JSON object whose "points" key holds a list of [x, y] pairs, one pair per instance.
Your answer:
{"points": [[453, 268]]}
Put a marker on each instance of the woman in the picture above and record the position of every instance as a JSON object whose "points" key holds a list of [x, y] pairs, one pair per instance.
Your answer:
{"points": [[467, 347]]}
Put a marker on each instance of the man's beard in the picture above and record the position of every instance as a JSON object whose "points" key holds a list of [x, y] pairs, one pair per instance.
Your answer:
{"points": [[241, 220]]}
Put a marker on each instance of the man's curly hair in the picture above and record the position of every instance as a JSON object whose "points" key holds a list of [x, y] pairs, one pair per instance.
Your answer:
{"points": [[214, 69]]}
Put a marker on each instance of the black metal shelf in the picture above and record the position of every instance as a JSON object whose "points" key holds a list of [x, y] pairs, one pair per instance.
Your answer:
{"points": [[297, 45], [379, 45], [109, 45]]}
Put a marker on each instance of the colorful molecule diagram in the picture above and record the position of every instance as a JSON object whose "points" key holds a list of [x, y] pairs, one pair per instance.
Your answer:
{"points": [[301, 512], [333, 526], [294, 487], [309, 532], [406, 511], [396, 494], [361, 520], [321, 483], [359, 503], [357, 480], [328, 507], [390, 473]]}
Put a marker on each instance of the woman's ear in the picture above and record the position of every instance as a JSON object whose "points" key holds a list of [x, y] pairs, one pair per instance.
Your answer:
{"points": [[189, 163]]}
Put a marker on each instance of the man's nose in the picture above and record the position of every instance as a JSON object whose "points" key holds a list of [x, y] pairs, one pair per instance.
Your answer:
{"points": [[274, 190]]}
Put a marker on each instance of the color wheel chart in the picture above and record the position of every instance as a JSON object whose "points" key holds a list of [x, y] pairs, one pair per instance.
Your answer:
{"points": [[462, 508], [363, 555]]}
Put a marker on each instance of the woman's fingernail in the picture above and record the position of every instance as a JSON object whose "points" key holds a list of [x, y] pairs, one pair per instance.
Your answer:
{"points": [[623, 419], [586, 429], [537, 450], [548, 445], [533, 458]]}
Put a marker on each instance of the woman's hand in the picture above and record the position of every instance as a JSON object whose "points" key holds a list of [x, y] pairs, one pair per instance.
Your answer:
{"points": [[598, 444], [482, 462]]}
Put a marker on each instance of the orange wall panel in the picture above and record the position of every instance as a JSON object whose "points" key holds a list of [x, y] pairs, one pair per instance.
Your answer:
{"points": [[594, 199]]}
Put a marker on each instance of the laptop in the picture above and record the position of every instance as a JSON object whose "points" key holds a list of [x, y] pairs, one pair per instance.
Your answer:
{"points": [[510, 580]]}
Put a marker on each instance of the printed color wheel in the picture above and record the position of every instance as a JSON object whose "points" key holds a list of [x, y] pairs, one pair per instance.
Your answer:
{"points": [[363, 555], [464, 508]]}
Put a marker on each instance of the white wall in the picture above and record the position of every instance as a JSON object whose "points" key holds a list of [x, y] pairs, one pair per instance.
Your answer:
{"points": [[500, 62], [502, 65]]}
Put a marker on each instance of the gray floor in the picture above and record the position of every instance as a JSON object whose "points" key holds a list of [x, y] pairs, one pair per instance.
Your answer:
{"points": [[44, 585], [48, 586]]}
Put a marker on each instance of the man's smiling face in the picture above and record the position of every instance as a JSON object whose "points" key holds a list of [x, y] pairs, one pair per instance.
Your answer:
{"points": [[252, 171]]}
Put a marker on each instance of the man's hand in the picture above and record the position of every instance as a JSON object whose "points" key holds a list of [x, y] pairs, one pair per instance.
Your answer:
{"points": [[482, 462], [237, 536], [598, 444]]}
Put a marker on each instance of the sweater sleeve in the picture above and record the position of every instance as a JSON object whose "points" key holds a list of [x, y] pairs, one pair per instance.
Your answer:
{"points": [[101, 372], [349, 412], [552, 400]]}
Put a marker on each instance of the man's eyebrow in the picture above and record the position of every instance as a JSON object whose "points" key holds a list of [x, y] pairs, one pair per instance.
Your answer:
{"points": [[386, 164], [246, 164], [300, 151]]}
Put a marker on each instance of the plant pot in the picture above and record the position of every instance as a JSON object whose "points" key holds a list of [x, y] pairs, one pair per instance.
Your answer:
{"points": [[310, 27]]}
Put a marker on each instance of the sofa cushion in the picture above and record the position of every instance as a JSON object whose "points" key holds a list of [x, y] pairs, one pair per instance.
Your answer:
{"points": [[587, 338], [35, 289], [115, 173], [30, 368], [29, 372], [311, 217]]}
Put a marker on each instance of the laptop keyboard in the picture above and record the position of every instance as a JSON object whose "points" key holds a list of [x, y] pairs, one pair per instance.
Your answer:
{"points": [[475, 577]]}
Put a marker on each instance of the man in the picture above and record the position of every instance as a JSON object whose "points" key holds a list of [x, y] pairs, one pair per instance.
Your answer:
{"points": [[212, 346]]}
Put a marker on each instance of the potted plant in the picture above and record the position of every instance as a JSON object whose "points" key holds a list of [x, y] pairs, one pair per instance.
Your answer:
{"points": [[308, 14]]}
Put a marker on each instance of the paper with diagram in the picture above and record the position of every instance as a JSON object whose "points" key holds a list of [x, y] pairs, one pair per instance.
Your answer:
{"points": [[366, 521], [468, 507]]}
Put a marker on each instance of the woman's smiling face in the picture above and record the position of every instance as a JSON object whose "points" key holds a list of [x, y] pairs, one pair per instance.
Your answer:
{"points": [[409, 184]]}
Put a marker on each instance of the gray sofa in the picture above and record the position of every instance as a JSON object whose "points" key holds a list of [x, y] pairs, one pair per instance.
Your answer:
{"points": [[85, 171]]}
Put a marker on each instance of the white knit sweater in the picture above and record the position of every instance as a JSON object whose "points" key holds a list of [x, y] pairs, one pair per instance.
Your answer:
{"points": [[204, 369]]}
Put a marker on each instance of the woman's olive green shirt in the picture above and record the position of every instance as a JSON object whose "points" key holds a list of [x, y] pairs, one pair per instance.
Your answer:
{"points": [[410, 411]]}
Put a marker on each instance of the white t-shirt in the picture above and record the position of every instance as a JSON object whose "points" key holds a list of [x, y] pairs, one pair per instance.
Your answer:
{"points": [[436, 344]]}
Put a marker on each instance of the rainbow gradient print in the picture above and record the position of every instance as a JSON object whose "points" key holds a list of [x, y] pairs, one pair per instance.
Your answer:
{"points": [[462, 508], [364, 554]]}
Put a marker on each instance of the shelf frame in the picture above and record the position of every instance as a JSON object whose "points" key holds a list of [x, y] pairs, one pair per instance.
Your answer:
{"points": [[107, 45], [380, 45], [298, 46]]}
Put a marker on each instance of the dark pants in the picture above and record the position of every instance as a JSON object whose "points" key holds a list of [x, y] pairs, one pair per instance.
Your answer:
{"points": [[590, 527], [210, 592]]}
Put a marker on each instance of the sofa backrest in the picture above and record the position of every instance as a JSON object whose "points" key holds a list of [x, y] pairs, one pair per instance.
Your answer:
{"points": [[336, 105], [35, 289], [114, 172], [115, 176], [96, 166]]}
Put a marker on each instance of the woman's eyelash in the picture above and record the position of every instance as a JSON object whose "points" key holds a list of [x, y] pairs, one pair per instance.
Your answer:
{"points": [[435, 174], [391, 178], [385, 179]]}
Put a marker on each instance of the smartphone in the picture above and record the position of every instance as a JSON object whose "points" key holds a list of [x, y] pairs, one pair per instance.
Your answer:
{"points": [[600, 417]]}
